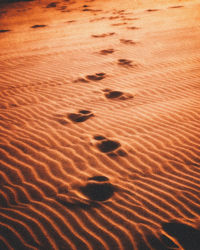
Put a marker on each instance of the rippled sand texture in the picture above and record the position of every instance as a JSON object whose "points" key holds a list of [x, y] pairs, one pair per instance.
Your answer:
{"points": [[99, 125]]}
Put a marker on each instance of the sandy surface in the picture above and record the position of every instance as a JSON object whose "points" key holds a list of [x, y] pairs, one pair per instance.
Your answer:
{"points": [[99, 125]]}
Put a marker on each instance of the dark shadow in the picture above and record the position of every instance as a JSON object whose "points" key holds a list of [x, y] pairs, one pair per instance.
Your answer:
{"points": [[98, 191], [98, 178], [187, 236], [107, 51], [4, 31], [38, 26], [113, 94], [99, 137], [104, 35], [96, 77], [108, 146], [82, 116], [52, 5], [125, 62]]}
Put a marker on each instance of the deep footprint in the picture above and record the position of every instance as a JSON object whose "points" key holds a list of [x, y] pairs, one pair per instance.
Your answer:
{"points": [[107, 146], [187, 236], [117, 95], [98, 188], [82, 116]]}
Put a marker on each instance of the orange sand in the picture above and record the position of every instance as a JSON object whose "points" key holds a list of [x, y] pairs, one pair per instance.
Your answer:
{"points": [[99, 125]]}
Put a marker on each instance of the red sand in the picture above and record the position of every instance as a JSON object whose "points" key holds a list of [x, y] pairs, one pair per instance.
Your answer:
{"points": [[99, 125]]}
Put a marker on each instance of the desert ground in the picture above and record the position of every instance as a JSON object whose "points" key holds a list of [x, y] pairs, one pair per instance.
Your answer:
{"points": [[100, 125]]}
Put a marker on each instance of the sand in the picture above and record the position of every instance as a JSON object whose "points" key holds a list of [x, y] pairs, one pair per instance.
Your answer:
{"points": [[99, 125]]}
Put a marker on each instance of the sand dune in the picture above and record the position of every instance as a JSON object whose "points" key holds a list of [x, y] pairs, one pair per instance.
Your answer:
{"points": [[99, 125]]}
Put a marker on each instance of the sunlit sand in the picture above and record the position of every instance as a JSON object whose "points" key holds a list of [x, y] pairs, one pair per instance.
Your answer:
{"points": [[99, 125]]}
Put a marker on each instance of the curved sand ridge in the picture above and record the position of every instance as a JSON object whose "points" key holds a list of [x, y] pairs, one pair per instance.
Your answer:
{"points": [[99, 130]]}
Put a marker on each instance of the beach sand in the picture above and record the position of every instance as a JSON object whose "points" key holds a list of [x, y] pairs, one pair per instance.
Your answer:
{"points": [[99, 125]]}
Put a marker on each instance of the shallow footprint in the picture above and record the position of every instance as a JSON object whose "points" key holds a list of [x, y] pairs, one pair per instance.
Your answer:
{"points": [[104, 35], [125, 63], [96, 77], [151, 10], [81, 116], [107, 51], [176, 7], [129, 42]]}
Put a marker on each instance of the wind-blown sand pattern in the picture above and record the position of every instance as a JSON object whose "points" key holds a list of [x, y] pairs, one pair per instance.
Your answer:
{"points": [[99, 125]]}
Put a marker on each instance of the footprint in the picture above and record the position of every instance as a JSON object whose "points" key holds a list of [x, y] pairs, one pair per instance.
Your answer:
{"points": [[125, 63], [110, 94], [52, 5], [3, 31], [186, 235], [81, 116], [98, 178], [38, 26], [126, 41], [175, 7], [152, 10], [104, 35], [98, 188], [80, 79], [133, 28], [109, 147], [107, 51], [96, 77], [118, 24], [71, 21], [99, 137]]}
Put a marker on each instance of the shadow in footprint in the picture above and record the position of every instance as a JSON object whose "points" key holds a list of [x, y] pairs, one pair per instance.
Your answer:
{"points": [[80, 79], [52, 5], [99, 137], [96, 77], [118, 24], [110, 94], [186, 235], [176, 7], [125, 63], [107, 51], [104, 35], [109, 147], [98, 188], [4, 31], [151, 10], [129, 42], [38, 26], [81, 116], [133, 28]]}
